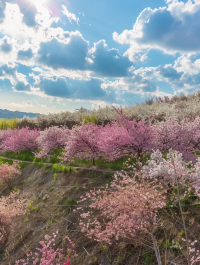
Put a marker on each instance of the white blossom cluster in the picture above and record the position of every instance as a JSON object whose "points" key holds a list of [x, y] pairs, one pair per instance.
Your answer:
{"points": [[178, 108]]}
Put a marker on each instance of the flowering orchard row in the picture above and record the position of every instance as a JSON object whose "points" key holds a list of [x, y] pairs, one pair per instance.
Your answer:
{"points": [[111, 142]]}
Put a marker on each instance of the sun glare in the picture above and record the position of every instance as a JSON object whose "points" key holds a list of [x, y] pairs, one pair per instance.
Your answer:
{"points": [[41, 1]]}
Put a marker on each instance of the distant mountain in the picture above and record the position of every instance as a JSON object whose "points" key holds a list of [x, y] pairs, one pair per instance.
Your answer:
{"points": [[7, 114]]}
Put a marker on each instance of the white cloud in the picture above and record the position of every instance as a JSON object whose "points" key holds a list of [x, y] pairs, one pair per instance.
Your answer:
{"points": [[89, 60], [37, 69], [172, 30], [24, 104], [21, 78], [69, 15]]}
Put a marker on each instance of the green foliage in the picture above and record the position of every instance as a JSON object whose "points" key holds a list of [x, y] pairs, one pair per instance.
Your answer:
{"points": [[59, 168], [16, 189], [95, 259], [90, 118], [103, 248], [164, 245], [9, 123], [10, 162], [69, 201], [31, 207], [119, 259], [26, 155], [55, 168], [64, 169], [54, 160], [147, 258], [37, 159], [181, 233], [22, 165]]}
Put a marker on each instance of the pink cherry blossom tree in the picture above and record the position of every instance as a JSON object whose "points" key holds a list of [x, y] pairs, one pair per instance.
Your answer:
{"points": [[19, 139], [126, 212], [124, 136], [9, 208], [8, 172], [50, 139], [47, 254], [81, 140], [184, 137]]}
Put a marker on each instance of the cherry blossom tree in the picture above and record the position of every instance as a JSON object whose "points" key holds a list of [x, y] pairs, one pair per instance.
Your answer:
{"points": [[19, 139], [126, 212], [8, 172], [50, 139], [184, 137], [9, 208], [81, 140], [47, 254], [132, 137]]}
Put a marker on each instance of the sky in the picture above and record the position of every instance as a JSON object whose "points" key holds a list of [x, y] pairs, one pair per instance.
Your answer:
{"points": [[61, 55]]}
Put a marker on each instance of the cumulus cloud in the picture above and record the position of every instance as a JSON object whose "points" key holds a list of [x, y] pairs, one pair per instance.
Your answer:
{"points": [[37, 69], [27, 8], [2, 8], [75, 89], [6, 70], [5, 46], [69, 15], [68, 68], [25, 55], [69, 55], [75, 55], [20, 86], [29, 11], [169, 72], [108, 62], [173, 29]]}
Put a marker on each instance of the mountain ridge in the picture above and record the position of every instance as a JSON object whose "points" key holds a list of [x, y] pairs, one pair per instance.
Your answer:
{"points": [[8, 114]]}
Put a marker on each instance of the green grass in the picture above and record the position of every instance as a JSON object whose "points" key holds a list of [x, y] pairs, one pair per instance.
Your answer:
{"points": [[10, 162], [23, 155], [59, 168], [29, 156]]}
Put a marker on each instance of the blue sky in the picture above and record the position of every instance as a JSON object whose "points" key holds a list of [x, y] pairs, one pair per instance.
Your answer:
{"points": [[58, 55]]}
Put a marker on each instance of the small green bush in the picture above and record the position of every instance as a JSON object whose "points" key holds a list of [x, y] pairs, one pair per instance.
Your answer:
{"points": [[90, 118]]}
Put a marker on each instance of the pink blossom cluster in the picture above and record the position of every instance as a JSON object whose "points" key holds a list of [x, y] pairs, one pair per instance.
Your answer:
{"points": [[3, 134], [18, 140], [194, 253], [130, 209], [9, 208], [124, 136], [7, 172], [47, 255], [50, 139], [83, 139]]}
